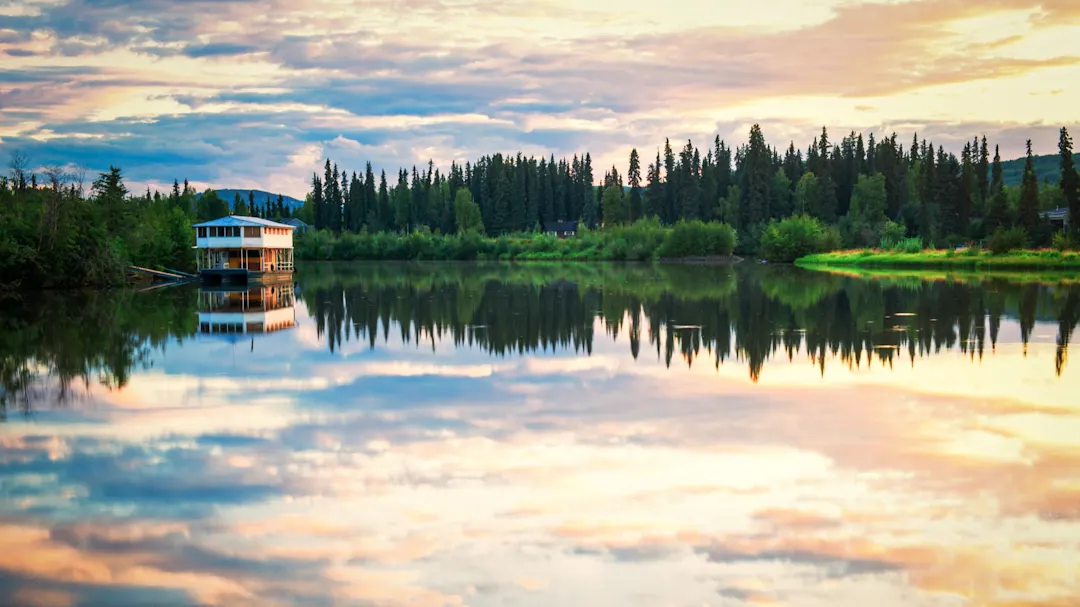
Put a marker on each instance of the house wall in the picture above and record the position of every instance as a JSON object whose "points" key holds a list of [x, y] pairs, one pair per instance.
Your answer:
{"points": [[268, 240]]}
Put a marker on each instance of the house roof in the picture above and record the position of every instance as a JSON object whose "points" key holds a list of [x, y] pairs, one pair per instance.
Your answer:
{"points": [[561, 226], [1058, 213], [295, 222], [242, 220]]}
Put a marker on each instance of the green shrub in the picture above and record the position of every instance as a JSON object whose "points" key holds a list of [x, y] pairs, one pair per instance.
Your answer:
{"points": [[909, 245], [1062, 242], [893, 236], [831, 240], [698, 239], [1003, 241], [794, 237]]}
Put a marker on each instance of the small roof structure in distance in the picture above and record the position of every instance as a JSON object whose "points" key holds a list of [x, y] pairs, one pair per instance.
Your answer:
{"points": [[243, 220]]}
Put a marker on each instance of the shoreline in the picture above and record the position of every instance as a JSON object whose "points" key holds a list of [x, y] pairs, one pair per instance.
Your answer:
{"points": [[968, 259]]}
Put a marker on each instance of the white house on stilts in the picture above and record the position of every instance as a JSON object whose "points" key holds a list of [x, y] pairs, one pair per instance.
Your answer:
{"points": [[240, 250]]}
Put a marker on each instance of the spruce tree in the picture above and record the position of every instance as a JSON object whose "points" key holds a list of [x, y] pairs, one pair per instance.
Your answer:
{"points": [[532, 194], [826, 207], [667, 215], [1028, 211], [997, 215], [590, 206], [654, 191], [384, 219], [634, 176], [518, 211], [1070, 180], [317, 202], [546, 208], [757, 176], [982, 172], [968, 190]]}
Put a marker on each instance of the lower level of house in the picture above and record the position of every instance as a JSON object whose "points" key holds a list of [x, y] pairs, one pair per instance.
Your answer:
{"points": [[243, 266]]}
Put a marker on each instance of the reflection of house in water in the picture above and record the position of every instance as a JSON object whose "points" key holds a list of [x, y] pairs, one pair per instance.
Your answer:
{"points": [[258, 309]]}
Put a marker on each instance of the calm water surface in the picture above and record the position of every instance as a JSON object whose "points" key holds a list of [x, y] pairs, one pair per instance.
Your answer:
{"points": [[428, 435]]}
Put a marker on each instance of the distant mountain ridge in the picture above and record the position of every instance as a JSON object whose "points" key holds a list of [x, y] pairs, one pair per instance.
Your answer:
{"points": [[1047, 168], [228, 195]]}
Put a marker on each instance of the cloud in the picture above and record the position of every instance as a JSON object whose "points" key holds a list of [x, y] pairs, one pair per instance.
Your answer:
{"points": [[547, 78]]}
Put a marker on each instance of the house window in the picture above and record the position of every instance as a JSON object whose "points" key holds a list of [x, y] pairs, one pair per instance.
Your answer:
{"points": [[251, 232], [202, 232]]}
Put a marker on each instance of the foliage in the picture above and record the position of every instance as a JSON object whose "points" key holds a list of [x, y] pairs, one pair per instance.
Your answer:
{"points": [[1007, 240], [947, 258], [698, 239], [854, 184], [795, 237], [807, 193], [868, 199], [1028, 211], [55, 237], [892, 235], [1064, 242], [640, 241], [467, 213], [614, 206]]}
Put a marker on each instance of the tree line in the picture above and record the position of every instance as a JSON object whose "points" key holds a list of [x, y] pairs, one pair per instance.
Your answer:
{"points": [[856, 184]]}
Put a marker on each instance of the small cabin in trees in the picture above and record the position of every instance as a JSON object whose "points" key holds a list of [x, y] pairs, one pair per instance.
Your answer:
{"points": [[1059, 218], [561, 229], [238, 250]]}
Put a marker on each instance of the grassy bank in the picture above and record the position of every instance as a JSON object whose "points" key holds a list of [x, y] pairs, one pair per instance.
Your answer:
{"points": [[916, 276], [969, 259], [644, 240]]}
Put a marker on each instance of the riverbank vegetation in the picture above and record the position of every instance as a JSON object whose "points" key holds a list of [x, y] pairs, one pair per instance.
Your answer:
{"points": [[644, 240], [973, 258], [60, 232]]}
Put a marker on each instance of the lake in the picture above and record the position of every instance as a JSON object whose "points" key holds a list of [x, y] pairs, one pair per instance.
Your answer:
{"points": [[547, 434]]}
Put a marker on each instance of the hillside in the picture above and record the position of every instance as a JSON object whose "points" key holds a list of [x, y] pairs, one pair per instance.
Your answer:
{"points": [[1047, 168], [260, 197]]}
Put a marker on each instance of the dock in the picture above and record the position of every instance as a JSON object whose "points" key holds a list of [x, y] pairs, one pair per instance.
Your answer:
{"points": [[160, 277]]}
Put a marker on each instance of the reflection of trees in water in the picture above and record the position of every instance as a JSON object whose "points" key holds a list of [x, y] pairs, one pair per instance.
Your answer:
{"points": [[751, 314], [53, 344]]}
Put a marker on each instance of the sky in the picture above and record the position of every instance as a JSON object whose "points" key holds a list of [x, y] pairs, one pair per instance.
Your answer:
{"points": [[244, 94]]}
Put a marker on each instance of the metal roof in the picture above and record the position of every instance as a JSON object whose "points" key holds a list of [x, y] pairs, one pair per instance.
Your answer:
{"points": [[561, 226], [1058, 213], [243, 220]]}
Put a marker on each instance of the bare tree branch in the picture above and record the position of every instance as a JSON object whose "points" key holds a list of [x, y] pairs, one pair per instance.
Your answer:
{"points": [[20, 166]]}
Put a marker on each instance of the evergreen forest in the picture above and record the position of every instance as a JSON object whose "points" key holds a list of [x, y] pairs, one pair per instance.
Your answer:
{"points": [[855, 186]]}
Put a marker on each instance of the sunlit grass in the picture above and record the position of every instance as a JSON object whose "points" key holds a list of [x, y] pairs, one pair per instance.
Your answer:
{"points": [[972, 259]]}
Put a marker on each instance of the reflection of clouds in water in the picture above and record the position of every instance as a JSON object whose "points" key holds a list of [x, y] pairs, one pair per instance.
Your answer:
{"points": [[413, 478]]}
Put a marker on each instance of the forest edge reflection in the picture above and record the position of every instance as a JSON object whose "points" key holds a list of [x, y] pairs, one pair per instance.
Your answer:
{"points": [[54, 342]]}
